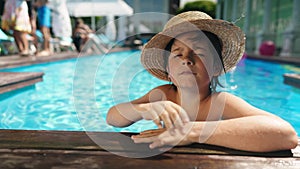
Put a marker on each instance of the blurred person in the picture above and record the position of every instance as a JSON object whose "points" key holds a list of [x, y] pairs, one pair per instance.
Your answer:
{"points": [[61, 22], [16, 18], [81, 34], [44, 24], [32, 15]]}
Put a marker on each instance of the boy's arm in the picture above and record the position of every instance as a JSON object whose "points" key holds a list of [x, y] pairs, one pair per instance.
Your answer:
{"points": [[246, 127], [252, 133], [242, 127], [124, 114]]}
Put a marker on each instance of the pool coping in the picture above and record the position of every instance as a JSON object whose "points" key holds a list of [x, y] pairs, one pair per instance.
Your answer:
{"points": [[12, 61], [278, 59], [20, 148], [10, 81]]}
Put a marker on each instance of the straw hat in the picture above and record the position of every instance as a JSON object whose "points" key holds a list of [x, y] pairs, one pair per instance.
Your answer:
{"points": [[231, 37]]}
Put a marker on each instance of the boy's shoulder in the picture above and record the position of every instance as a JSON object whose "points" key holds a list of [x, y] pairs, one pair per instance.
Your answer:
{"points": [[227, 97], [163, 91], [165, 88], [223, 94]]}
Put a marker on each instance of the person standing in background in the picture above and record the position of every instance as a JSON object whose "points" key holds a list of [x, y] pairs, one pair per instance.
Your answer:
{"points": [[32, 15], [44, 24], [16, 18], [61, 22]]}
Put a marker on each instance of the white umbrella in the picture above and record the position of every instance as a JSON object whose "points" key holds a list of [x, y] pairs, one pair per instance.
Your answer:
{"points": [[61, 23], [92, 8], [85, 8]]}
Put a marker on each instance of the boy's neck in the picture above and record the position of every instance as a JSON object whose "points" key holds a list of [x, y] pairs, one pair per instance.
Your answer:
{"points": [[190, 99], [190, 94]]}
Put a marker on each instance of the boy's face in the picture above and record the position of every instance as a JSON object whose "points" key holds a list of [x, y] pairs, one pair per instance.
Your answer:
{"points": [[190, 63]]}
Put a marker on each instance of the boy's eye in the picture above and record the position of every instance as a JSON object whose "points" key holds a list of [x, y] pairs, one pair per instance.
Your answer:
{"points": [[199, 55], [178, 55]]}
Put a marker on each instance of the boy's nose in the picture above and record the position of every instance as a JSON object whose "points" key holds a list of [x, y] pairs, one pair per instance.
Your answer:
{"points": [[187, 62], [188, 59]]}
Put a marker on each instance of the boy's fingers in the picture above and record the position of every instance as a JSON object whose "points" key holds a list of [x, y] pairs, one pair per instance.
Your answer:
{"points": [[157, 122], [152, 132], [156, 143], [163, 114], [137, 139], [166, 119], [184, 116], [177, 121], [156, 119], [181, 112]]}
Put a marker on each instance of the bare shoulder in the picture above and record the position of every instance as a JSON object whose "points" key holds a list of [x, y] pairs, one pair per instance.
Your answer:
{"points": [[228, 96], [235, 107], [163, 92], [158, 93], [164, 88]]}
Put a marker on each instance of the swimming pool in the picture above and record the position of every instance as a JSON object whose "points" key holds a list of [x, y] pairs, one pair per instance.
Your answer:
{"points": [[75, 94]]}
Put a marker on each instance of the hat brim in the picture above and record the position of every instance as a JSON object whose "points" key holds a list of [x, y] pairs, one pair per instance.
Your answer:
{"points": [[232, 39]]}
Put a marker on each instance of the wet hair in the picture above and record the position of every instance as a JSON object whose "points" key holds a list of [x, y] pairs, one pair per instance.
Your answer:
{"points": [[215, 41], [166, 59], [167, 52]]}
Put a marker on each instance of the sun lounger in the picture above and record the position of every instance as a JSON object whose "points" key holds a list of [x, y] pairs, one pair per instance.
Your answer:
{"points": [[95, 45], [105, 40], [7, 44]]}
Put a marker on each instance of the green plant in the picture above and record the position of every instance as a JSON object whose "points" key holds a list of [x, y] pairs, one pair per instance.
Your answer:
{"points": [[208, 7]]}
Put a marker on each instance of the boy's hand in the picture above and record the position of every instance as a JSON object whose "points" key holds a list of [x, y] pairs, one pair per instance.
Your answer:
{"points": [[170, 113], [162, 137]]}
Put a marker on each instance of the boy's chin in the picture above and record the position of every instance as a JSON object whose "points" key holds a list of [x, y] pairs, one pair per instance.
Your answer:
{"points": [[187, 85]]}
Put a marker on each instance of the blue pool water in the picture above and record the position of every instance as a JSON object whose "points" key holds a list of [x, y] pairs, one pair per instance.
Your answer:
{"points": [[75, 94]]}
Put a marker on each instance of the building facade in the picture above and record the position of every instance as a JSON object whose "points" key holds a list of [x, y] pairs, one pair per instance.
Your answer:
{"points": [[265, 20]]}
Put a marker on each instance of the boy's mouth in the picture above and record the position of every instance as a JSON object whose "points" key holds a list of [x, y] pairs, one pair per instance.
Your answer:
{"points": [[187, 73]]}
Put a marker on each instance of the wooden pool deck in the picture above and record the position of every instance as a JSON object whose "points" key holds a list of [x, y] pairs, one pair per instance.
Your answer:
{"points": [[67, 149], [12, 61], [10, 81]]}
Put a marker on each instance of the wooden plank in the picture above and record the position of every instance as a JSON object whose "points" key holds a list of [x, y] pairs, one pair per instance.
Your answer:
{"points": [[7, 78], [72, 149], [98, 159], [74, 140], [20, 85], [10, 81], [16, 61]]}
